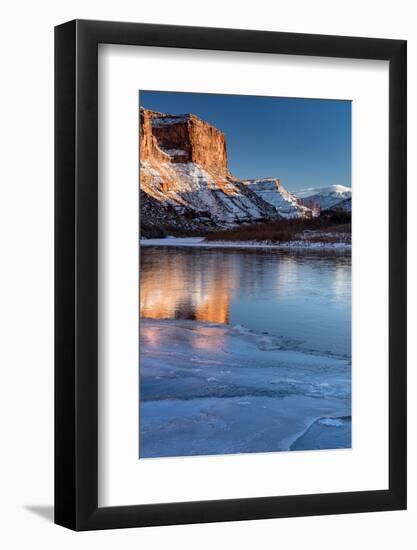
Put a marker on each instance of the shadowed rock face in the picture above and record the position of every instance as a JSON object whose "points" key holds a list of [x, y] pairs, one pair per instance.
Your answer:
{"points": [[185, 181], [148, 144], [272, 192]]}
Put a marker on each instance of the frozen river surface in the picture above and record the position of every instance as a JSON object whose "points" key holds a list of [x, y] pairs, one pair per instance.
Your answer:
{"points": [[243, 351]]}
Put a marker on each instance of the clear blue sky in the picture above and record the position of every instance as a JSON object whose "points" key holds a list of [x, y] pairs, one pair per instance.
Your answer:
{"points": [[304, 142]]}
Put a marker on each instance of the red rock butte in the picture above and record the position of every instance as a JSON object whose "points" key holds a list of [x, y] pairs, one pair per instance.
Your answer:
{"points": [[180, 139]]}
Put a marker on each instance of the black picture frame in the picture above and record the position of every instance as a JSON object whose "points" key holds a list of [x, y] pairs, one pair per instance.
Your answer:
{"points": [[76, 273]]}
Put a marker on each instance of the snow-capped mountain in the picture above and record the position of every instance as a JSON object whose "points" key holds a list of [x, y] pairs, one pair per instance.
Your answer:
{"points": [[325, 197], [185, 182], [272, 192]]}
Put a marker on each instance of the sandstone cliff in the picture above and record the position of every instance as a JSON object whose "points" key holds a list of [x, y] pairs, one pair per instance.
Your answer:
{"points": [[180, 139]]}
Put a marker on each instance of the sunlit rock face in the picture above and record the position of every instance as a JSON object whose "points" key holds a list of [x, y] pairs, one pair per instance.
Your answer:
{"points": [[187, 138], [185, 181]]}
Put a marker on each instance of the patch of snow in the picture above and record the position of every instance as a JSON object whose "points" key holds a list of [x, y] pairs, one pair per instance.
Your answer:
{"points": [[336, 422], [175, 152], [310, 191], [272, 192], [166, 120], [290, 245]]}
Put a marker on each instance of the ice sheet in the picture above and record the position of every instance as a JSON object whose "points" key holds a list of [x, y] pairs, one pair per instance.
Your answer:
{"points": [[214, 389]]}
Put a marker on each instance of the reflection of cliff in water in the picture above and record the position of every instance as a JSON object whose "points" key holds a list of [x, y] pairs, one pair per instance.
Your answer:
{"points": [[303, 297], [205, 297]]}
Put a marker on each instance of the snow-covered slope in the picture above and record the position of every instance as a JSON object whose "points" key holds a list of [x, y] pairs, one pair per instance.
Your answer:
{"points": [[272, 192], [216, 198], [326, 197], [345, 206]]}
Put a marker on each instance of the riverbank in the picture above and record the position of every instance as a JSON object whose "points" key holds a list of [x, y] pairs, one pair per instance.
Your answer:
{"points": [[288, 245]]}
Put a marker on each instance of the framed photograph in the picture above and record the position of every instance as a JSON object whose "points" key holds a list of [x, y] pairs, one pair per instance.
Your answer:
{"points": [[230, 275]]}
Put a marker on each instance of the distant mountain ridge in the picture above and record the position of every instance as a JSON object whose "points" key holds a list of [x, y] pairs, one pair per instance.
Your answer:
{"points": [[326, 197], [186, 185]]}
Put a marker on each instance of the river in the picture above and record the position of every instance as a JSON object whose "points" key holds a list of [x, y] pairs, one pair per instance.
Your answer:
{"points": [[243, 350]]}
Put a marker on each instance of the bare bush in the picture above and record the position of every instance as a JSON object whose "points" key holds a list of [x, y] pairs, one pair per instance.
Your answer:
{"points": [[278, 231]]}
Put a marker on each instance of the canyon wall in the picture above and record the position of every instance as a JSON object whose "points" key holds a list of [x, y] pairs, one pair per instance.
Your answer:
{"points": [[181, 139]]}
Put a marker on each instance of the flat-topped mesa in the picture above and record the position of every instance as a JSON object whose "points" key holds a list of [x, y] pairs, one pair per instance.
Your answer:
{"points": [[181, 139]]}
